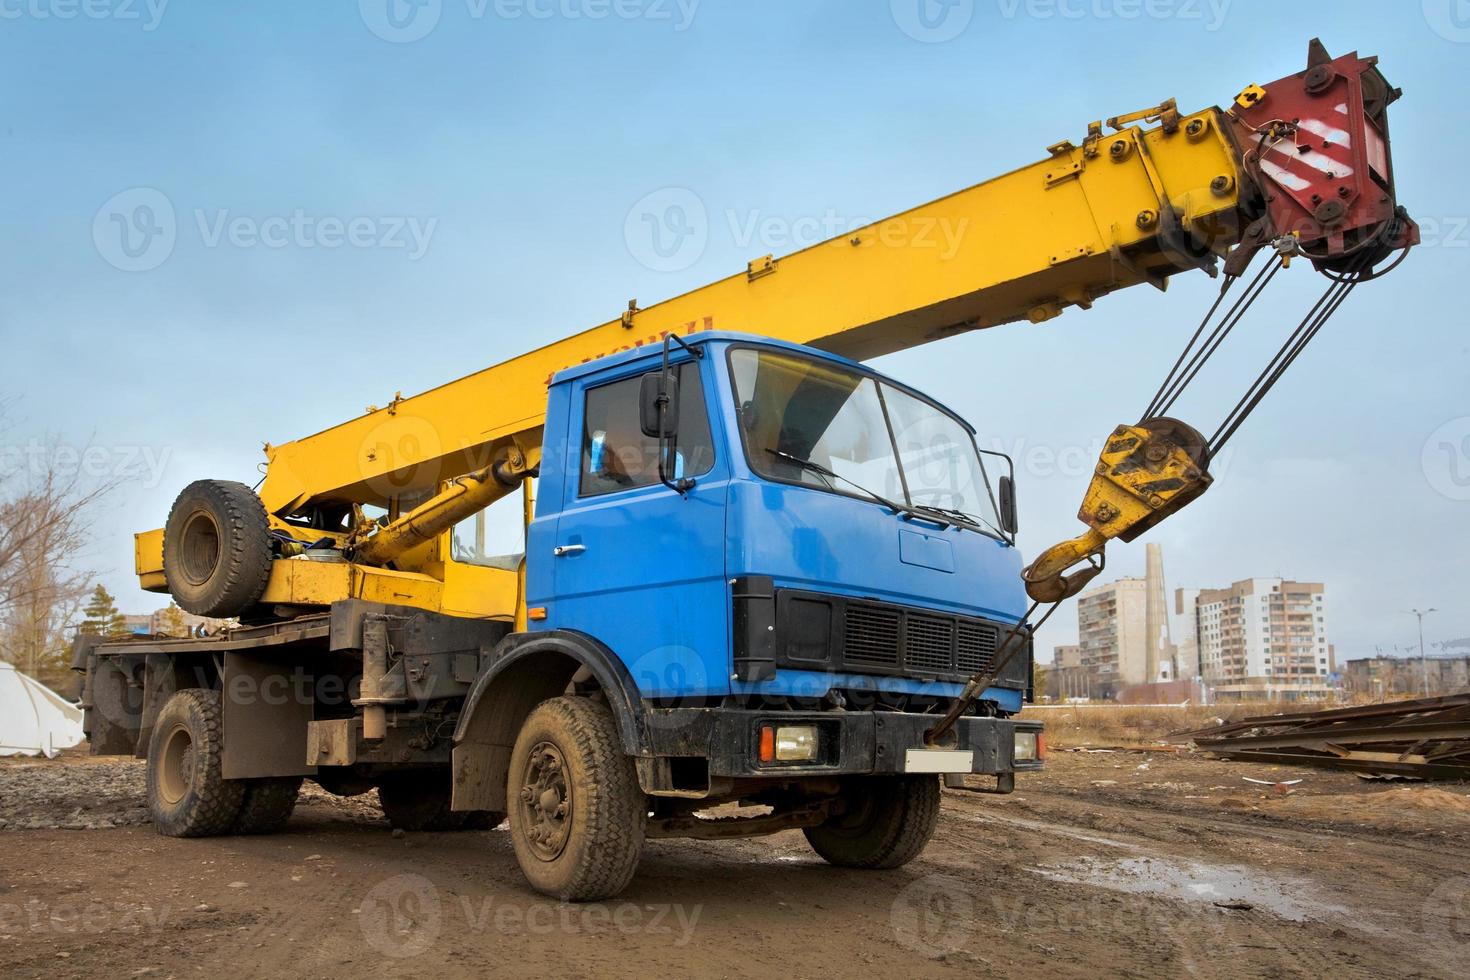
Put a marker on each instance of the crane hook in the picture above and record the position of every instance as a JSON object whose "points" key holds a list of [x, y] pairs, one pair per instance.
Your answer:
{"points": [[1145, 473]]}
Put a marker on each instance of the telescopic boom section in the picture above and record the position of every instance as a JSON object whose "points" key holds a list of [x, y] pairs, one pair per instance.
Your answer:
{"points": [[1304, 157], [1132, 207]]}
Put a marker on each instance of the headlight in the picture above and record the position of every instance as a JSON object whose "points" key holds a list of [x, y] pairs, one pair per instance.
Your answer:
{"points": [[796, 743], [788, 743], [1028, 746]]}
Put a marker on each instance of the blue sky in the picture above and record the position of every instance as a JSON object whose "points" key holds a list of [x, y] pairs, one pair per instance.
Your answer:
{"points": [[368, 199]]}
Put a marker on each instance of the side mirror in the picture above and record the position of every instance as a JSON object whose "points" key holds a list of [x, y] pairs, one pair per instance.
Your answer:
{"points": [[1008, 521], [657, 387]]}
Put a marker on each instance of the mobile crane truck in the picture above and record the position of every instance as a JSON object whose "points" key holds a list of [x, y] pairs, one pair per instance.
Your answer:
{"points": [[754, 570]]}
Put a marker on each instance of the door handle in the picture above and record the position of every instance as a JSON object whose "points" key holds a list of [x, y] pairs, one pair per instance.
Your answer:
{"points": [[562, 550]]}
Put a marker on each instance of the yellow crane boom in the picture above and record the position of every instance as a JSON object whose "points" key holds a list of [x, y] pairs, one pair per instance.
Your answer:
{"points": [[1300, 166], [1088, 219]]}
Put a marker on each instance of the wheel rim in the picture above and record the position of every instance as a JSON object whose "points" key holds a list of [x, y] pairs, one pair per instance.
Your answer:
{"points": [[546, 802], [199, 554], [176, 768]]}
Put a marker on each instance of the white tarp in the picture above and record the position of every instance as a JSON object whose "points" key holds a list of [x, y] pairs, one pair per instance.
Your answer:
{"points": [[34, 720]]}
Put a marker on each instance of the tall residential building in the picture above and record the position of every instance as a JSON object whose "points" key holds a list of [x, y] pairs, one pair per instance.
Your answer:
{"points": [[1112, 632], [1264, 638]]}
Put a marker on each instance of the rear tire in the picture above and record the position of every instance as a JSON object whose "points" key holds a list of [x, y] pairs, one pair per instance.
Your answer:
{"points": [[187, 795], [577, 814], [886, 822], [421, 801], [267, 805], [216, 548]]}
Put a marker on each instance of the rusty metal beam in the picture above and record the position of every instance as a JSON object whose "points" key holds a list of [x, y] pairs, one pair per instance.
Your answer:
{"points": [[1359, 734], [1429, 771], [1426, 737]]}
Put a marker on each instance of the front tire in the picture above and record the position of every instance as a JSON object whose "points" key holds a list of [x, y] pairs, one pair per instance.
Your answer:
{"points": [[885, 823], [577, 814], [187, 795]]}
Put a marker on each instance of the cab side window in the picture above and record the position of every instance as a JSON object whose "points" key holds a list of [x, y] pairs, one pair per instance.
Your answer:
{"points": [[616, 455]]}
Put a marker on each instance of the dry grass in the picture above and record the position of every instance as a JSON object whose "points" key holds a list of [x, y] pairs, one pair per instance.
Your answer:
{"points": [[1123, 724]]}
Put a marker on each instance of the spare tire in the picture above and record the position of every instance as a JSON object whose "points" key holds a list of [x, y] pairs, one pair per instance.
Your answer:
{"points": [[216, 548]]}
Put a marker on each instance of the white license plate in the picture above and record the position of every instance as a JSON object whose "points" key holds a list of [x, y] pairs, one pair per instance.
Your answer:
{"points": [[938, 760]]}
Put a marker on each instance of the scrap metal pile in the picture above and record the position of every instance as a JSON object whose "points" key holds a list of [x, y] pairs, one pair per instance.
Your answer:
{"points": [[1428, 738]]}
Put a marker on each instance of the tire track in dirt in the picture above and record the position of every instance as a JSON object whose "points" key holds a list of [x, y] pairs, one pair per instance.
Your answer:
{"points": [[337, 895]]}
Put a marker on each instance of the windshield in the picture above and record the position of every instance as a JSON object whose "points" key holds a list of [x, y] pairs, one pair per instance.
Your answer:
{"points": [[822, 425]]}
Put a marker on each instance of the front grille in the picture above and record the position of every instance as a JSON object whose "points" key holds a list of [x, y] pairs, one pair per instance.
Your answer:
{"points": [[872, 636], [930, 645], [976, 648], [827, 632]]}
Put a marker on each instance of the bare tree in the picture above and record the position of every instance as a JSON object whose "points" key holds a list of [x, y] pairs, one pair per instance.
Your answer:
{"points": [[46, 520]]}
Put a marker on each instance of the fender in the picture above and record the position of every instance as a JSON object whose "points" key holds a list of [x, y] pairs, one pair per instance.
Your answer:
{"points": [[609, 671], [511, 686]]}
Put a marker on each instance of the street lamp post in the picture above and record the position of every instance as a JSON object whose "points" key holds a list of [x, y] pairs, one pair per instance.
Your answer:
{"points": [[1423, 660]]}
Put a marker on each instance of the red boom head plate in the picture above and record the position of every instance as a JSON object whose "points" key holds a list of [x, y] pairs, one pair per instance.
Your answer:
{"points": [[1317, 145]]}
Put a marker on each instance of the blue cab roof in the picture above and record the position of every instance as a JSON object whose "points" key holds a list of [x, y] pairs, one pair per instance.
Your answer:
{"points": [[655, 351]]}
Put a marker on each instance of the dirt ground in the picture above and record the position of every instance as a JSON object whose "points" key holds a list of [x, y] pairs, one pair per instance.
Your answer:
{"points": [[1109, 863]]}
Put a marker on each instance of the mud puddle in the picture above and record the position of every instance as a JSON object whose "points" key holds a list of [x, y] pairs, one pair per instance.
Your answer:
{"points": [[1199, 882]]}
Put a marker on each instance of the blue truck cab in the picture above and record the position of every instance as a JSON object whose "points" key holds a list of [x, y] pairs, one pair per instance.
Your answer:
{"points": [[816, 556], [756, 576]]}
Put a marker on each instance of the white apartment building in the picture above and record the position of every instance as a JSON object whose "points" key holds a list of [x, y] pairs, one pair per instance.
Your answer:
{"points": [[1261, 638], [1112, 632]]}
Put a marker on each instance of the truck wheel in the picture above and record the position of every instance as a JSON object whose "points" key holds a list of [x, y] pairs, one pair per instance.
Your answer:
{"points": [[420, 801], [886, 822], [577, 814], [216, 548], [187, 796], [268, 804]]}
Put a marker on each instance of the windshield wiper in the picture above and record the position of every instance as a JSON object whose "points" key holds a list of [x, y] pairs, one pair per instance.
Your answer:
{"points": [[961, 518], [830, 475]]}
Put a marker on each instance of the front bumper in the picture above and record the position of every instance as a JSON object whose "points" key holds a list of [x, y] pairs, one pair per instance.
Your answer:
{"points": [[850, 742]]}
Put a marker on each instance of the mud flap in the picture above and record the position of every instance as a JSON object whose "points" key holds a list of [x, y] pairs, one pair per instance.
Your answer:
{"points": [[268, 705]]}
